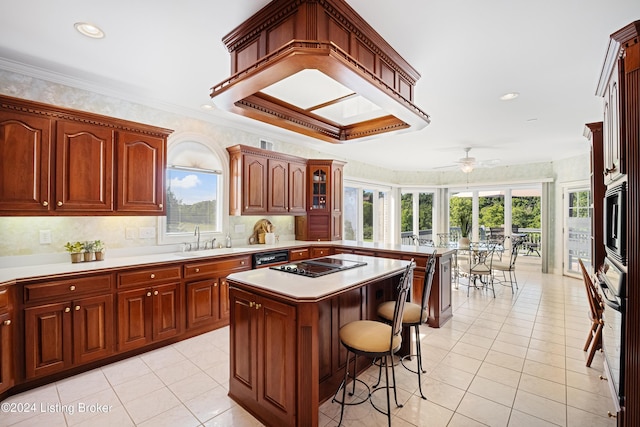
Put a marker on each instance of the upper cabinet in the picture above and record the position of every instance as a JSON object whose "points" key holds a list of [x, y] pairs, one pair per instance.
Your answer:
{"points": [[55, 161], [265, 182], [324, 215]]}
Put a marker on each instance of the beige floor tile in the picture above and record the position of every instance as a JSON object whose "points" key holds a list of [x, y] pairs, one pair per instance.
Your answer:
{"points": [[484, 410], [579, 418], [138, 387], [590, 402], [85, 384], [493, 390], [505, 360], [541, 407], [442, 394], [520, 419], [545, 388], [419, 412], [452, 376], [150, 405], [176, 416], [499, 374], [210, 404]]}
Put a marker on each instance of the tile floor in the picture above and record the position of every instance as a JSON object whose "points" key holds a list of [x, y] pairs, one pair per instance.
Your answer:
{"points": [[515, 360]]}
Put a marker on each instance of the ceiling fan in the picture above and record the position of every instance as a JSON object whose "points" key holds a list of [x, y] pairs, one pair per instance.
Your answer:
{"points": [[467, 164]]}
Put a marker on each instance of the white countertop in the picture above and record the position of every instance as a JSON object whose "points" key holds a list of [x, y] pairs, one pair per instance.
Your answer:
{"points": [[36, 269], [313, 288]]}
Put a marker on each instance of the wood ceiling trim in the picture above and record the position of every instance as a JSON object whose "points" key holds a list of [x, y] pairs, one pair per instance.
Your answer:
{"points": [[288, 36]]}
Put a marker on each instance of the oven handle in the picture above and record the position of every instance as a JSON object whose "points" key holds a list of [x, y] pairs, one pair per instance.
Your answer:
{"points": [[611, 303]]}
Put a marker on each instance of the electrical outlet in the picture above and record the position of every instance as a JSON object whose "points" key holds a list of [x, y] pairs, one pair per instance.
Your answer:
{"points": [[130, 233], [45, 237], [147, 232]]}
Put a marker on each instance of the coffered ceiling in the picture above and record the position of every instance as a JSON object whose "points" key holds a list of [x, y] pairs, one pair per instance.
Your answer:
{"points": [[169, 54]]}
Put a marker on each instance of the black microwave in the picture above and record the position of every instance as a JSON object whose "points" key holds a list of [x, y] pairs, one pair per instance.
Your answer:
{"points": [[615, 223]]}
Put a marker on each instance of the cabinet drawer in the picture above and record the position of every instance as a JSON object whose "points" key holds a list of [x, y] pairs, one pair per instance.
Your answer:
{"points": [[4, 298], [298, 254], [320, 251], [148, 276], [66, 289], [196, 269]]}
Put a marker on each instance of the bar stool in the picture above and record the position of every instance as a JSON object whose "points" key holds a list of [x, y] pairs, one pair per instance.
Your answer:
{"points": [[414, 315], [374, 339]]}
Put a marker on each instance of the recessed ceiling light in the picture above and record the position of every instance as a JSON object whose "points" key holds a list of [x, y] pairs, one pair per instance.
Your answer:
{"points": [[207, 107], [89, 30], [509, 96]]}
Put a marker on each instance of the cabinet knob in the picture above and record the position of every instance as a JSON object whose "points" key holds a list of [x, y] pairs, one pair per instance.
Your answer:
{"points": [[197, 270], [77, 307], [45, 203], [148, 294], [215, 285], [258, 306], [7, 322], [67, 309], [59, 203], [153, 276], [251, 303], [72, 288], [241, 262], [160, 205], [155, 292], [612, 415]]}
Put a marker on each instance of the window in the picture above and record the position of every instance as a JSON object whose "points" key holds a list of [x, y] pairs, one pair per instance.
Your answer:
{"points": [[365, 213], [416, 216], [194, 195], [192, 200]]}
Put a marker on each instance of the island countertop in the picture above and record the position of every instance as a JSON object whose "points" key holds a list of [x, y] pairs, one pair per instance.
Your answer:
{"points": [[315, 288]]}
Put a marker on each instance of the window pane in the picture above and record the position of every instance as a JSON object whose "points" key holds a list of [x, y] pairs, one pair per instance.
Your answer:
{"points": [[350, 213], [381, 226], [460, 204], [192, 198], [406, 221], [425, 215], [367, 215]]}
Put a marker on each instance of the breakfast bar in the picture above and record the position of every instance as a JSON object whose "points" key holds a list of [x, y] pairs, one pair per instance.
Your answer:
{"points": [[285, 355]]}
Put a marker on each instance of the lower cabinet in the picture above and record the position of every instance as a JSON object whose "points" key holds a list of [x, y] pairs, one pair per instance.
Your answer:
{"points": [[7, 375], [263, 373], [148, 314], [207, 302], [60, 335]]}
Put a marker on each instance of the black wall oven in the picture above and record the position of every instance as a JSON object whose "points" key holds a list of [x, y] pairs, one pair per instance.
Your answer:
{"points": [[615, 223], [612, 283]]}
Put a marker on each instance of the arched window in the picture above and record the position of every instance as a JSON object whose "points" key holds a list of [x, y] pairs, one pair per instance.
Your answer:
{"points": [[194, 195]]}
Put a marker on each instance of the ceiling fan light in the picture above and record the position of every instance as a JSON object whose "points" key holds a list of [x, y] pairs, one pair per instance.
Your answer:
{"points": [[89, 30], [466, 167]]}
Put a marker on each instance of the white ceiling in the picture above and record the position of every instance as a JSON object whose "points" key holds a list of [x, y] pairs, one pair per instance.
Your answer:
{"points": [[169, 53]]}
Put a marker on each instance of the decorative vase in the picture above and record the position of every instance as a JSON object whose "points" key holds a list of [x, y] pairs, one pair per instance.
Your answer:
{"points": [[76, 257], [88, 256], [99, 256], [463, 243]]}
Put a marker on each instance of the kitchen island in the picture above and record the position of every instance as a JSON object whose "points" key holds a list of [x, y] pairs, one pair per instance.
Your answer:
{"points": [[285, 355]]}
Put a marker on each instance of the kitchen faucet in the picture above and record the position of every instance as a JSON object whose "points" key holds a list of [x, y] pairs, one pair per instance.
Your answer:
{"points": [[197, 233]]}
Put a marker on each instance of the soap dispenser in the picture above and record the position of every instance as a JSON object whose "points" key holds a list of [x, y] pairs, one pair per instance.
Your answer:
{"points": [[228, 240]]}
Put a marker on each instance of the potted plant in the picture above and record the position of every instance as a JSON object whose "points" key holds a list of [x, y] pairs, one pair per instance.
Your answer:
{"points": [[98, 249], [87, 248], [75, 250], [465, 230]]}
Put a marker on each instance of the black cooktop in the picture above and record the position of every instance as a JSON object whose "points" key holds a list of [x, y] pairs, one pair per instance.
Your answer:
{"points": [[318, 267]]}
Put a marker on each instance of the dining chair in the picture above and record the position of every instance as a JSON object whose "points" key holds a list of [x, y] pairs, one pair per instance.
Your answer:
{"points": [[596, 307], [508, 265], [376, 340], [478, 266], [414, 316]]}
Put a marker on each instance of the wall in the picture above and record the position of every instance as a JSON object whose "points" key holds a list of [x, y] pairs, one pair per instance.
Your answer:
{"points": [[19, 237]]}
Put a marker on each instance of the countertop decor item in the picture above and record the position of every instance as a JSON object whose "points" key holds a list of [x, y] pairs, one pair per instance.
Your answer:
{"points": [[75, 250], [98, 249]]}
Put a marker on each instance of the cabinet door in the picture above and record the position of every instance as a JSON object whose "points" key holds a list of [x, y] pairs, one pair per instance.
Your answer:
{"points": [[84, 168], [278, 186], [336, 189], [133, 323], [297, 188], [202, 303], [612, 129], [318, 188], [243, 345], [276, 357], [92, 328], [166, 303], [6, 355], [254, 184], [25, 159], [48, 339], [141, 164]]}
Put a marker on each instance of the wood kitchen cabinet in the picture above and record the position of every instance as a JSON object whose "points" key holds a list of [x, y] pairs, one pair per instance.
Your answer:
{"points": [[323, 221], [56, 161], [207, 290], [141, 165], [263, 373], [25, 160], [74, 327], [613, 131], [151, 309], [7, 318], [266, 182]]}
